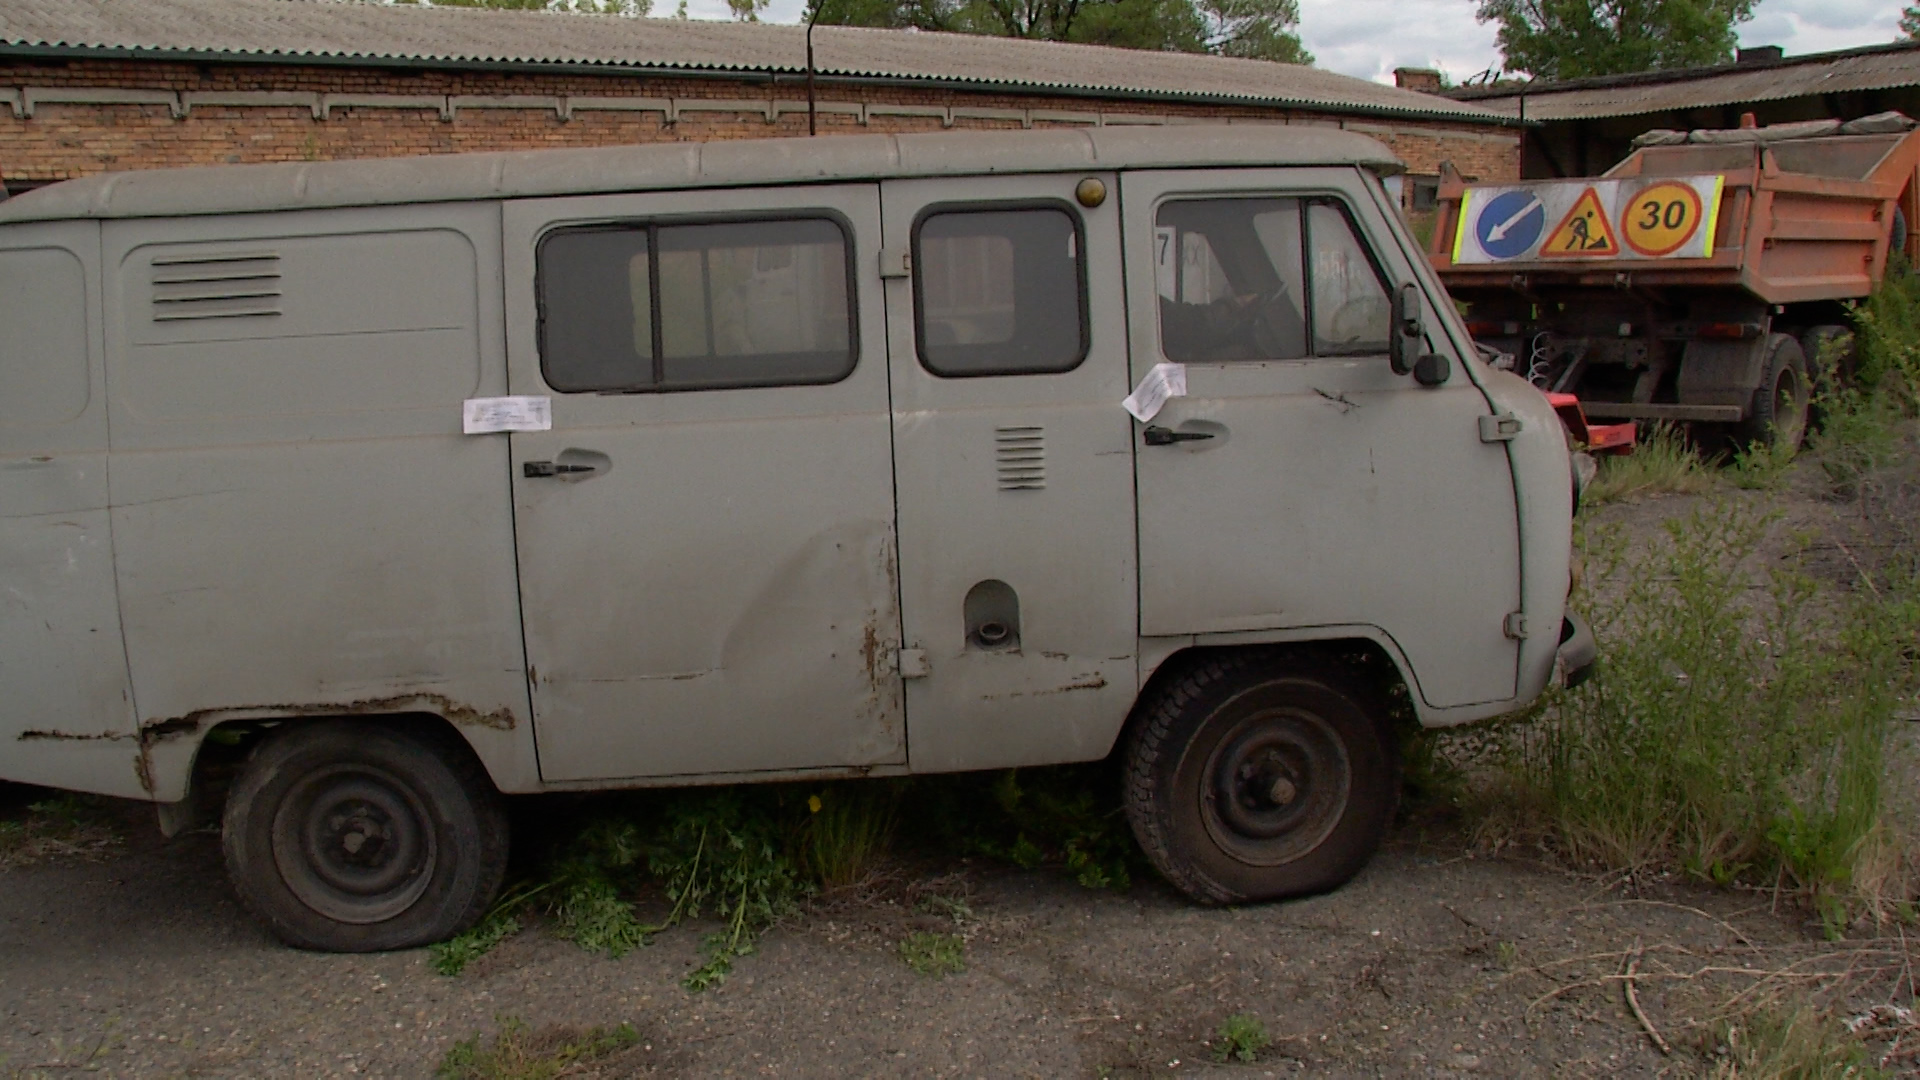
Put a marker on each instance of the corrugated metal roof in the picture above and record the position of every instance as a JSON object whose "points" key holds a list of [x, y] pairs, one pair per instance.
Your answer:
{"points": [[231, 189], [1875, 67], [295, 30]]}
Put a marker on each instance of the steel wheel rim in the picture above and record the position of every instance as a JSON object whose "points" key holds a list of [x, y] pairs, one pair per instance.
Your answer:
{"points": [[1275, 787], [354, 843]]}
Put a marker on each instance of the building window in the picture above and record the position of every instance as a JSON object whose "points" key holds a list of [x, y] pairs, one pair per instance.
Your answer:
{"points": [[1423, 193], [999, 291], [634, 308]]}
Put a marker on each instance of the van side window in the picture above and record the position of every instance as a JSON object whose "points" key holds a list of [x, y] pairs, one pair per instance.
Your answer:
{"points": [[698, 306], [999, 291], [1236, 279]]}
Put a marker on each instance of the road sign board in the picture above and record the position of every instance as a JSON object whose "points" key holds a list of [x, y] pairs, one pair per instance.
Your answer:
{"points": [[1662, 218], [1510, 224], [1584, 233]]}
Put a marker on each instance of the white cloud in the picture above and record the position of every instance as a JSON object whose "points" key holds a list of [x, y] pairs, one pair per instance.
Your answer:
{"points": [[1369, 38]]}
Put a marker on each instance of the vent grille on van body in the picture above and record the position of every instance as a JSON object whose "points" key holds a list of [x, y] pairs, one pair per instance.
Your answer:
{"points": [[1021, 455], [224, 286]]}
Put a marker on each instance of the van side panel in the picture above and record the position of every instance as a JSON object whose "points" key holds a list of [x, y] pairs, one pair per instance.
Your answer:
{"points": [[301, 528], [66, 714]]}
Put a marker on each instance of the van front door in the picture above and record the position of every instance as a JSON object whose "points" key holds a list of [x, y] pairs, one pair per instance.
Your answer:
{"points": [[1006, 336], [706, 533], [1302, 486]]}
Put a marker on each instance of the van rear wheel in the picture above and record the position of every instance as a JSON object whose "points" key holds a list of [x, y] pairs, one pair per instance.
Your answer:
{"points": [[350, 836], [1253, 776]]}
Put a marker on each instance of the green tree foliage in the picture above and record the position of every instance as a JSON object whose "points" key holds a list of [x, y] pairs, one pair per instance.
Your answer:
{"points": [[1910, 21], [1255, 29], [1570, 39]]}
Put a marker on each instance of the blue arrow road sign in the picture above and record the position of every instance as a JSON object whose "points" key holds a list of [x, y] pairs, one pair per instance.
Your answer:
{"points": [[1510, 224]]}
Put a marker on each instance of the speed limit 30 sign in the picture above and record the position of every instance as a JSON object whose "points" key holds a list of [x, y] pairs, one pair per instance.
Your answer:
{"points": [[1662, 217]]}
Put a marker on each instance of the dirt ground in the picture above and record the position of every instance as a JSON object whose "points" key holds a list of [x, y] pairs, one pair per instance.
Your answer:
{"points": [[1435, 962]]}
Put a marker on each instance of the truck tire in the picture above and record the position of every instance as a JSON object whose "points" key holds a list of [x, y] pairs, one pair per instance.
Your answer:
{"points": [[351, 836], [1778, 415], [1255, 776]]}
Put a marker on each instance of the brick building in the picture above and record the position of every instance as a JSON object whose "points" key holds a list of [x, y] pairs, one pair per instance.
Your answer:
{"points": [[90, 86]]}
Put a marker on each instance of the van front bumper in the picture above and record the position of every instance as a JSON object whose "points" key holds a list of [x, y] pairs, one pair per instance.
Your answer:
{"points": [[1574, 662]]}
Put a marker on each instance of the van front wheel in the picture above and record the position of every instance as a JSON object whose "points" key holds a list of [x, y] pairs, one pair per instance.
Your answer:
{"points": [[1256, 777], [350, 836]]}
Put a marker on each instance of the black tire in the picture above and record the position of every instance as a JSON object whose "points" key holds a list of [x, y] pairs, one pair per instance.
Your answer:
{"points": [[351, 836], [1777, 417], [1256, 776]]}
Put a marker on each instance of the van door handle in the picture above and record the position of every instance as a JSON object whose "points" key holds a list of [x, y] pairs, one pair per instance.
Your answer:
{"points": [[533, 470], [1159, 436]]}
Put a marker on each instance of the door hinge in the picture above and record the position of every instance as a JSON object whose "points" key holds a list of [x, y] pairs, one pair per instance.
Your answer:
{"points": [[895, 262], [1516, 626], [1500, 427], [913, 663]]}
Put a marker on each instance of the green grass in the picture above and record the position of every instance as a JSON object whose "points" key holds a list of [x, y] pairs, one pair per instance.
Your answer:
{"points": [[848, 832], [934, 954], [1662, 463], [518, 1052], [62, 826], [1240, 1037], [1737, 727], [1797, 1046]]}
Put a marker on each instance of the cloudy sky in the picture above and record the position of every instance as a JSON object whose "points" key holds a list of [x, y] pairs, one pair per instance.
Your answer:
{"points": [[1369, 38]]}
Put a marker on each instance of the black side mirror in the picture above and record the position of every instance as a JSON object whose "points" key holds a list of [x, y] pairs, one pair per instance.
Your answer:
{"points": [[1409, 329]]}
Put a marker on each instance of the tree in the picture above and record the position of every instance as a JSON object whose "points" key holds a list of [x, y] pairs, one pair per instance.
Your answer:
{"points": [[1910, 21], [1570, 39], [1258, 29]]}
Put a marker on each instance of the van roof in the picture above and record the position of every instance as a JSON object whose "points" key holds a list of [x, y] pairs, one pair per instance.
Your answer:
{"points": [[237, 189]]}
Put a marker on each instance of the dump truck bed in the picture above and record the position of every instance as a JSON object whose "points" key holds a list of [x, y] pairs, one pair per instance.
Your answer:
{"points": [[1797, 219]]}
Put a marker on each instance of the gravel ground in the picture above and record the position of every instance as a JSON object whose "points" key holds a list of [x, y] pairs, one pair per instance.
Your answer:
{"points": [[143, 965]]}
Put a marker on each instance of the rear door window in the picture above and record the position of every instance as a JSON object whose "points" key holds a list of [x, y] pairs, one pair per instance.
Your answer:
{"points": [[635, 308]]}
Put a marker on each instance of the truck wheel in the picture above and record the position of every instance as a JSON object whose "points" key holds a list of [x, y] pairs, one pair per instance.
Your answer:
{"points": [[1778, 416], [348, 836], [1254, 777]]}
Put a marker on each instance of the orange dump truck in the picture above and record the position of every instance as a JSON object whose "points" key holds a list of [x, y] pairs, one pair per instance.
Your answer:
{"points": [[1694, 281]]}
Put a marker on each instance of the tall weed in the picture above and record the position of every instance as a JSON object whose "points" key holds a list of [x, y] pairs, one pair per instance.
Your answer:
{"points": [[1662, 463], [1738, 726], [1887, 339]]}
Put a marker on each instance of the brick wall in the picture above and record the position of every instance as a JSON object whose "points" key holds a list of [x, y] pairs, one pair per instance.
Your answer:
{"points": [[209, 114]]}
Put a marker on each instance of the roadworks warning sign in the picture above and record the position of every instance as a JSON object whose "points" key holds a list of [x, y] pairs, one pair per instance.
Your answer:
{"points": [[1665, 217], [1583, 233]]}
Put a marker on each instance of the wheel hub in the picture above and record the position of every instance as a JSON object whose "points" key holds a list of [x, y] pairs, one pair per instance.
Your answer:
{"points": [[354, 844], [1277, 784]]}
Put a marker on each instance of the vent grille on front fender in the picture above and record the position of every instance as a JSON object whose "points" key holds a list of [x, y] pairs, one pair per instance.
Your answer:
{"points": [[223, 286], [1020, 454]]}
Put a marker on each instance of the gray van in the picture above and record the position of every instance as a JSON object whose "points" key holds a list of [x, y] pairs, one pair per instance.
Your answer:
{"points": [[427, 481]]}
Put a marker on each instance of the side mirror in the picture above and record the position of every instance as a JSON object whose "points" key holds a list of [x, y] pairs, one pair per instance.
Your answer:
{"points": [[1409, 331]]}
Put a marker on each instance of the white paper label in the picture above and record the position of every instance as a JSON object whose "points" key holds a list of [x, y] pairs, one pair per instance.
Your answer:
{"points": [[1163, 382], [486, 415]]}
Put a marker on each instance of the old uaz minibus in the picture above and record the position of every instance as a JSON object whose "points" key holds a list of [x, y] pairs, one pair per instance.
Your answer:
{"points": [[432, 480]]}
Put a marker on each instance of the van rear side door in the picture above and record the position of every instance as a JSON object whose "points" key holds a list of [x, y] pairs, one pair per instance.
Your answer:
{"points": [[706, 534], [1007, 340], [1301, 484], [63, 669]]}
